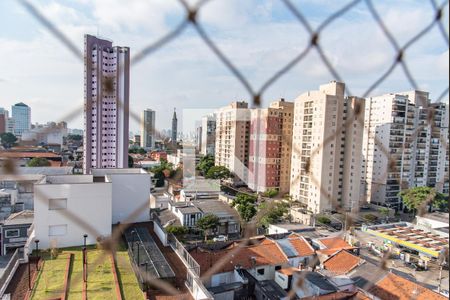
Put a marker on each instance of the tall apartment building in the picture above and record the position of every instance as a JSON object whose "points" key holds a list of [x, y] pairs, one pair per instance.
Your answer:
{"points": [[326, 149], [405, 141], [270, 147], [106, 104], [208, 135], [3, 120], [21, 113], [198, 138], [148, 130], [232, 138]]}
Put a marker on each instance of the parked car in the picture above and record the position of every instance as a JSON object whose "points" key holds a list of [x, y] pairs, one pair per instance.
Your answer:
{"points": [[220, 238]]}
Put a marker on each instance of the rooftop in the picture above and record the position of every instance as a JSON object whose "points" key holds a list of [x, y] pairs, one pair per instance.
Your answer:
{"points": [[31, 154], [258, 252], [19, 218], [288, 271], [334, 243], [341, 263], [395, 287], [437, 216], [295, 245], [216, 207], [318, 280], [366, 274]]}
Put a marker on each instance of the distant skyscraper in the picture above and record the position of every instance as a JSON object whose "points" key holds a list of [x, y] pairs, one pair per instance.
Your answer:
{"points": [[21, 113], [148, 117], [174, 126], [208, 139], [106, 104]]}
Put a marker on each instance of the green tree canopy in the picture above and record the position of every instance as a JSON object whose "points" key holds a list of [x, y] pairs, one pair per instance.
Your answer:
{"points": [[164, 170], [270, 193], [137, 151], [38, 162], [75, 137], [207, 222], [8, 139], [218, 172], [246, 205], [274, 214], [324, 220], [206, 162], [176, 230], [384, 211], [420, 197], [130, 161]]}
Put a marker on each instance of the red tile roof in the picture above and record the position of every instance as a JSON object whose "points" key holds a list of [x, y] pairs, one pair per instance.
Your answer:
{"points": [[339, 296], [14, 154], [395, 287], [265, 252], [327, 252], [335, 242], [301, 245], [341, 262]]}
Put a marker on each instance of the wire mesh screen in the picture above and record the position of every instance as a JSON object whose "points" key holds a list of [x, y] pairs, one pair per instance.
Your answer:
{"points": [[256, 95]]}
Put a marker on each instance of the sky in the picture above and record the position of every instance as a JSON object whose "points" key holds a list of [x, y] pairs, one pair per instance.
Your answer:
{"points": [[258, 36]]}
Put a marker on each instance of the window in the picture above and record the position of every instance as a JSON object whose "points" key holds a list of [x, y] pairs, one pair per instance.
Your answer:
{"points": [[12, 233], [260, 271], [277, 268], [57, 230], [57, 203]]}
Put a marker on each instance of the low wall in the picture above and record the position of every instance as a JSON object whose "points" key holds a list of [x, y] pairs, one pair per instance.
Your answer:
{"points": [[161, 233], [10, 269], [116, 279]]}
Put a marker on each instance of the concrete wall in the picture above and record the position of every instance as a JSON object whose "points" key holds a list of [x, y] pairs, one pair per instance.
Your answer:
{"points": [[162, 235], [130, 197], [88, 211]]}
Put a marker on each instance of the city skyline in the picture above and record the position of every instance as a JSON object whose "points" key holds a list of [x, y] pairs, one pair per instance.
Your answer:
{"points": [[202, 77]]}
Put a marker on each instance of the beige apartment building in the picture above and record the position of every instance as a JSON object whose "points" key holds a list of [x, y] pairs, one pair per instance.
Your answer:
{"points": [[232, 138], [327, 149], [404, 144], [271, 147]]}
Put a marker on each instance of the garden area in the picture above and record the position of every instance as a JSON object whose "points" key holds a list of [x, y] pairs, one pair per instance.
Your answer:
{"points": [[61, 273]]}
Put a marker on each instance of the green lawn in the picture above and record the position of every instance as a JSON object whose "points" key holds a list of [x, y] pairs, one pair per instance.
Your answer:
{"points": [[50, 282], [127, 278], [100, 284]]}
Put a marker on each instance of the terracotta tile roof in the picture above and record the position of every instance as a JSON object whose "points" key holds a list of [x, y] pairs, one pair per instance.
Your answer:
{"points": [[14, 154], [335, 242], [398, 288], [265, 252], [341, 262], [302, 246]]}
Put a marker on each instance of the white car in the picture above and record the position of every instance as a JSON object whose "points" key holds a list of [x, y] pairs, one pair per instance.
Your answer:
{"points": [[220, 238]]}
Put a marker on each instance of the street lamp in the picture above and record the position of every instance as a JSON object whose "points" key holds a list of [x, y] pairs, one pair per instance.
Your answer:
{"points": [[37, 252], [145, 275], [84, 265], [85, 237], [138, 252]]}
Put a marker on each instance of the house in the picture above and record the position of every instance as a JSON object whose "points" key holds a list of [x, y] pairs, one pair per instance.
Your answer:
{"points": [[14, 231], [261, 257], [310, 284], [341, 262], [297, 249], [283, 277], [200, 189], [393, 286], [328, 246]]}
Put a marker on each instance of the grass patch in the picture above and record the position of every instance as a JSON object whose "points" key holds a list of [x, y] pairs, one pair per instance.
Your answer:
{"points": [[100, 282], [50, 283], [127, 279]]}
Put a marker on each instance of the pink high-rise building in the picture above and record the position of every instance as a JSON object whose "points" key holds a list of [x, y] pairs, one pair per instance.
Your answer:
{"points": [[106, 104]]}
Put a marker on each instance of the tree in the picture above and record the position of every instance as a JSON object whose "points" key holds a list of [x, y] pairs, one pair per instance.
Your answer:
{"points": [[164, 170], [38, 162], [324, 220], [8, 139], [218, 172], [270, 193], [417, 197], [206, 223], [176, 230], [275, 214], [206, 162], [440, 202], [245, 206], [137, 151], [371, 218], [384, 211], [75, 137]]}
